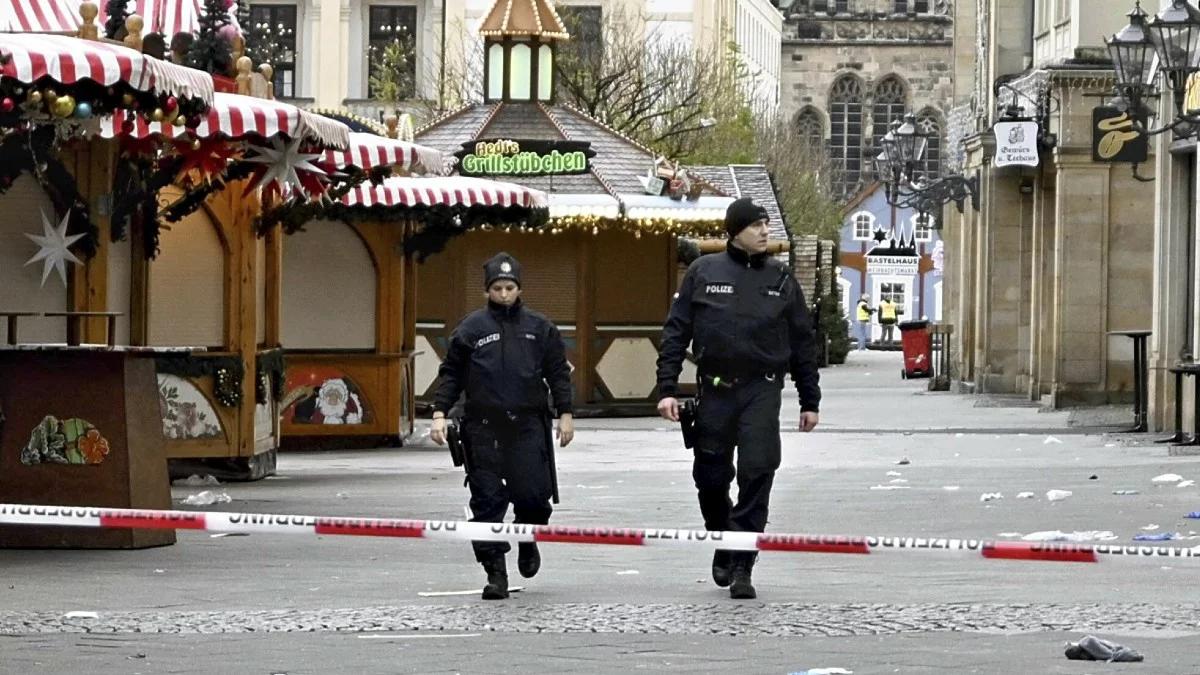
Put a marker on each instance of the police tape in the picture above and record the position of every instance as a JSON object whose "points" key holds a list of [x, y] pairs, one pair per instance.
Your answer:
{"points": [[451, 530]]}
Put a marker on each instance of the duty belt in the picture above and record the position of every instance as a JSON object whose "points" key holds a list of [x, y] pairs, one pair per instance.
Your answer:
{"points": [[722, 382]]}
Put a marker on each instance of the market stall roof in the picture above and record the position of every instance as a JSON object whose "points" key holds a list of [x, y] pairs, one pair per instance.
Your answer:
{"points": [[235, 116], [749, 180], [533, 18], [39, 16], [370, 151], [30, 57], [445, 191], [168, 16], [614, 175], [708, 208], [598, 205]]}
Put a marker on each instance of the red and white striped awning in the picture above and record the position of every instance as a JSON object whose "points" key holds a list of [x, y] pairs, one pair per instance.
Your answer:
{"points": [[235, 116], [167, 16], [67, 60], [370, 151], [39, 16], [445, 191], [62, 16]]}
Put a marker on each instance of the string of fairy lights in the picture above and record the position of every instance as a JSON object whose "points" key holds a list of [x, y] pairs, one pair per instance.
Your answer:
{"points": [[638, 227]]}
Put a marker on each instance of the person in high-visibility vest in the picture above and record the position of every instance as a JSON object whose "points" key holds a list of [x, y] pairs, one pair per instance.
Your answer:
{"points": [[863, 321], [887, 319]]}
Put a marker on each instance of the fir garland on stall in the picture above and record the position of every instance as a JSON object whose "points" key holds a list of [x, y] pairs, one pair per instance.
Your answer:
{"points": [[33, 151], [269, 366], [188, 203], [227, 373], [442, 223], [139, 180]]}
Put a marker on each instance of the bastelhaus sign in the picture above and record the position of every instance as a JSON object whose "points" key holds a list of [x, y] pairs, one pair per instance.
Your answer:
{"points": [[508, 157]]}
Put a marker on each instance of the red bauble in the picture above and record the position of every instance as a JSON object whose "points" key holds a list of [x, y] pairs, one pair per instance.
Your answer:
{"points": [[171, 104], [7, 105]]}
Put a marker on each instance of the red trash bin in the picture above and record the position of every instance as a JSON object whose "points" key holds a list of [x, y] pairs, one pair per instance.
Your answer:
{"points": [[917, 342]]}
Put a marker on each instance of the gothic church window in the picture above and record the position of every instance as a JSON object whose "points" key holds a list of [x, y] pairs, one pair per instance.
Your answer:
{"points": [[810, 129], [928, 124], [890, 102], [846, 132]]}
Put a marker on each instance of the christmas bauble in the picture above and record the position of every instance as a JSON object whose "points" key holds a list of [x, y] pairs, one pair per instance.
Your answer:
{"points": [[157, 115], [83, 110], [7, 105], [64, 106]]}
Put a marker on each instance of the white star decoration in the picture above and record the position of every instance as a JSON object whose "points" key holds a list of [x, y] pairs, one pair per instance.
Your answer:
{"points": [[282, 162], [54, 251]]}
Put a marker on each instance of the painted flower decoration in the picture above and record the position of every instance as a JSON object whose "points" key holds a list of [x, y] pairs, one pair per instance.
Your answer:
{"points": [[93, 446]]}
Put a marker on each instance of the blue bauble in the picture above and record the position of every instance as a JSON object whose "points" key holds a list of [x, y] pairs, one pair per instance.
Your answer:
{"points": [[83, 110]]}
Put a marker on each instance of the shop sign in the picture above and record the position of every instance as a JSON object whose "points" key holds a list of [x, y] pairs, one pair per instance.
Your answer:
{"points": [[507, 157], [1114, 138], [892, 265], [1016, 144]]}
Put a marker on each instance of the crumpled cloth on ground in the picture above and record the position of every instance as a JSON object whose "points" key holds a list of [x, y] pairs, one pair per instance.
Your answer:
{"points": [[1092, 648]]}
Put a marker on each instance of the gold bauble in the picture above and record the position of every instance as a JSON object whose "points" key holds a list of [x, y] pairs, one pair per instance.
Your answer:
{"points": [[127, 100], [50, 95], [157, 115], [178, 121], [64, 106], [196, 145], [35, 97]]}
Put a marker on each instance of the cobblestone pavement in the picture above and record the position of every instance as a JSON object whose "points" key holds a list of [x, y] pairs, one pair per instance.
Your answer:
{"points": [[744, 619]]}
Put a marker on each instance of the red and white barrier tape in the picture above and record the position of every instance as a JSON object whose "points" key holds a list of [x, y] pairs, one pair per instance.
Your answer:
{"points": [[266, 523]]}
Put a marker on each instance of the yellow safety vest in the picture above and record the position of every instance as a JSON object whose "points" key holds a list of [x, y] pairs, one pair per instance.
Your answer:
{"points": [[887, 311], [864, 312]]}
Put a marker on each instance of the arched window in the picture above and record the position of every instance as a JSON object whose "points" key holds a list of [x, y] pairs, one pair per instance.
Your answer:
{"points": [[811, 129], [928, 124], [845, 132], [889, 104]]}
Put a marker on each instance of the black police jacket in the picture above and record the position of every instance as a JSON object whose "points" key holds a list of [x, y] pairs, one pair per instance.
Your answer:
{"points": [[744, 316], [504, 358]]}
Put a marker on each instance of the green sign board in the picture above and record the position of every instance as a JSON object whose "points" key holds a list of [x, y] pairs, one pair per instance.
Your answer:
{"points": [[507, 157]]}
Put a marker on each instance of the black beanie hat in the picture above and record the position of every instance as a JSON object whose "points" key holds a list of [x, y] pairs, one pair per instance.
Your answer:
{"points": [[741, 213], [501, 266]]}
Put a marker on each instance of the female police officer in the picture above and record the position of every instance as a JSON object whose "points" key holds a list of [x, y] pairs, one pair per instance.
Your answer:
{"points": [[504, 356], [746, 319]]}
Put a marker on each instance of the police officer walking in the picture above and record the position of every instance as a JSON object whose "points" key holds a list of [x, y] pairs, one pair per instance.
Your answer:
{"points": [[505, 356], [746, 319]]}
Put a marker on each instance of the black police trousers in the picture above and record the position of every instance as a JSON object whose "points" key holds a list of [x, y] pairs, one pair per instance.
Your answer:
{"points": [[745, 416], [509, 467]]}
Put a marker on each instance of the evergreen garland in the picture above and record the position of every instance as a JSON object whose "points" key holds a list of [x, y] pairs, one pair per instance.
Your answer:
{"points": [[269, 365], [441, 223], [210, 52], [187, 204], [227, 373], [117, 11]]}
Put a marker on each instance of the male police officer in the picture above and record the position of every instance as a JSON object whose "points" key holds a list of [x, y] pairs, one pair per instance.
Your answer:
{"points": [[504, 356], [746, 319]]}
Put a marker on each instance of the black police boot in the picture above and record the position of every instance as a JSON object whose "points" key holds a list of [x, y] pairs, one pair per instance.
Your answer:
{"points": [[529, 561], [740, 587], [721, 567], [497, 579]]}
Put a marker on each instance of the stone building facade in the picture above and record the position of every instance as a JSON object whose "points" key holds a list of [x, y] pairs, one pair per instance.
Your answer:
{"points": [[849, 67], [1059, 256]]}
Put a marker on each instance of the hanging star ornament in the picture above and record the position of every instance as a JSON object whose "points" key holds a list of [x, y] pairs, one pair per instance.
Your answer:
{"points": [[282, 164], [54, 248]]}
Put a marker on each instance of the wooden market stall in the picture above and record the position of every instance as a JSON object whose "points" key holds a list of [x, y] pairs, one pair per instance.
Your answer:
{"points": [[78, 424], [210, 277], [349, 299]]}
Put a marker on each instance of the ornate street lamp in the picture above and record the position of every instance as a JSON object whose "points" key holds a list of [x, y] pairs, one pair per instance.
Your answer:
{"points": [[1173, 35], [904, 147]]}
